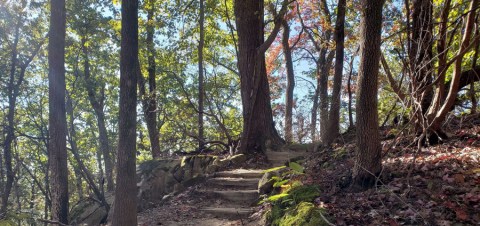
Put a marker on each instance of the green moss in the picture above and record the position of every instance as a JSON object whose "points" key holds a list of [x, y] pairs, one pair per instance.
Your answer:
{"points": [[306, 193], [273, 169], [304, 214]]}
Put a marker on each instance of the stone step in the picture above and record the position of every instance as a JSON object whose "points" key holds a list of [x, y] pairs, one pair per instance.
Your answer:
{"points": [[279, 158], [234, 197], [228, 213], [241, 196], [246, 183], [240, 173]]}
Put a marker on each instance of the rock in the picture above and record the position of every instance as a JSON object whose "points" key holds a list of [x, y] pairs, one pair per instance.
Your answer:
{"points": [[265, 185], [238, 159], [221, 163], [212, 169], [89, 211], [305, 214]]}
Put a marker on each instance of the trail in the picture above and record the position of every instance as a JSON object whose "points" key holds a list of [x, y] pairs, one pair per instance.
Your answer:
{"points": [[226, 198]]}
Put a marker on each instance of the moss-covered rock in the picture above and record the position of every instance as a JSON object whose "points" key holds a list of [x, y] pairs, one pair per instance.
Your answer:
{"points": [[303, 214]]}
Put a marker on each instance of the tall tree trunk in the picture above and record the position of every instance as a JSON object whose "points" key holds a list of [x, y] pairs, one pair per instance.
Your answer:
{"points": [[125, 207], [349, 88], [149, 101], [473, 97], [57, 149], [420, 59], [368, 162], [442, 51], [313, 119], [325, 65], [334, 117], [97, 103], [259, 132], [287, 51], [201, 91]]}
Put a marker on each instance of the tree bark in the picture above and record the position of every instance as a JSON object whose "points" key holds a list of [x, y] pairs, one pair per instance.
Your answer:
{"points": [[473, 97], [259, 132], [97, 103], [201, 91], [287, 51], [125, 207], [349, 88], [313, 119], [57, 148], [420, 59], [334, 117], [442, 61], [83, 170], [149, 101], [325, 65], [436, 123], [368, 155]]}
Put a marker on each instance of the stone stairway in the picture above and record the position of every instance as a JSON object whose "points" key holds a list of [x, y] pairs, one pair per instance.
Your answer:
{"points": [[232, 194]]}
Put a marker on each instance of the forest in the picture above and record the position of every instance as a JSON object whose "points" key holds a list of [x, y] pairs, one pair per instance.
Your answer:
{"points": [[239, 112]]}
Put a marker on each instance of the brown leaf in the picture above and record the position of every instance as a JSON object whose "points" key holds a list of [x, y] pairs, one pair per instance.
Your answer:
{"points": [[461, 214]]}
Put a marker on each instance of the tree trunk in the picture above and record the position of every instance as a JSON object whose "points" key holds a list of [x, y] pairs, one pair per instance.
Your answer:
{"points": [[259, 132], [201, 91], [435, 126], [313, 120], [442, 61], [83, 170], [420, 59], [368, 162], [349, 88], [325, 65], [10, 135], [150, 102], [125, 207], [287, 51], [57, 149], [334, 117], [473, 97], [97, 103]]}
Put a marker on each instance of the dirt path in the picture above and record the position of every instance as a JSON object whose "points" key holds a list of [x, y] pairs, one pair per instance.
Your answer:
{"points": [[227, 198]]}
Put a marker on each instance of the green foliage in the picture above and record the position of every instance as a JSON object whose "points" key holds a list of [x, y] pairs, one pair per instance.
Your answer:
{"points": [[273, 169], [294, 206], [297, 168], [303, 214], [278, 197]]}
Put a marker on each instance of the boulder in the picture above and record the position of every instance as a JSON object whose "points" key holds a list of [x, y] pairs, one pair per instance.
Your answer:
{"points": [[89, 211], [238, 159], [265, 185]]}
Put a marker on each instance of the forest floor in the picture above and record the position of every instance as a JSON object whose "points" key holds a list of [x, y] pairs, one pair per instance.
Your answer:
{"points": [[435, 185]]}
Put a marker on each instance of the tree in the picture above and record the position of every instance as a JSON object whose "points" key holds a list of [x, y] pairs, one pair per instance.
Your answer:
{"points": [[201, 91], [57, 146], [323, 64], [287, 51], [368, 154], [125, 207], [334, 116], [149, 100], [439, 117], [258, 127]]}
